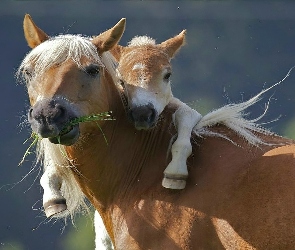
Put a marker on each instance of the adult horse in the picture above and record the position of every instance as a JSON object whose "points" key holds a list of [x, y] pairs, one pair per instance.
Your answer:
{"points": [[237, 197]]}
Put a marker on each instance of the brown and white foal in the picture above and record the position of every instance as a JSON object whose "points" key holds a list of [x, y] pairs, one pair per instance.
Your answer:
{"points": [[144, 72]]}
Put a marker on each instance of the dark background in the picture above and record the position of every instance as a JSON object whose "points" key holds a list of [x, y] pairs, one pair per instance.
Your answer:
{"points": [[234, 50]]}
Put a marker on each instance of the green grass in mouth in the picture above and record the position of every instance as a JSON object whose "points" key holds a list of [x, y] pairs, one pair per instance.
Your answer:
{"points": [[34, 138]]}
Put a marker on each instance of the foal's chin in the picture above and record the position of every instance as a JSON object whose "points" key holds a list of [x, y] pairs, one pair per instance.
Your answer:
{"points": [[144, 125], [68, 138]]}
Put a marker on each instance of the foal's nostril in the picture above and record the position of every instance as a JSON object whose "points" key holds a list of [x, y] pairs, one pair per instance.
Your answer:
{"points": [[148, 116], [143, 116], [152, 115]]}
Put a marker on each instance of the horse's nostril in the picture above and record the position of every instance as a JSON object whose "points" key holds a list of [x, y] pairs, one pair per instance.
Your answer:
{"points": [[30, 112], [59, 112], [48, 117]]}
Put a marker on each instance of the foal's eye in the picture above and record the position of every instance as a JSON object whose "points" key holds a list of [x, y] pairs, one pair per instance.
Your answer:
{"points": [[92, 70], [167, 76]]}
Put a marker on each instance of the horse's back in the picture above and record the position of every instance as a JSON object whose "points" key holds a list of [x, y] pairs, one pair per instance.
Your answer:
{"points": [[237, 197], [245, 193], [264, 201]]}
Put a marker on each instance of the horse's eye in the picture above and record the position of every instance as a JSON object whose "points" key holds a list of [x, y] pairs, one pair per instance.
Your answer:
{"points": [[167, 76], [92, 70], [28, 74]]}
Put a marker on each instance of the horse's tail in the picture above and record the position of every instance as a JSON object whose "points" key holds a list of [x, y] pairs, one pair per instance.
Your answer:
{"points": [[234, 117]]}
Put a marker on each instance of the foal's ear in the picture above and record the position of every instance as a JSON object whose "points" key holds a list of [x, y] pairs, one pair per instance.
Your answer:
{"points": [[173, 44], [108, 39], [33, 34]]}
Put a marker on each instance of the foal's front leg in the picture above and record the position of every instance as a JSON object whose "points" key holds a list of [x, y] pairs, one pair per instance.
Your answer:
{"points": [[185, 118], [53, 201]]}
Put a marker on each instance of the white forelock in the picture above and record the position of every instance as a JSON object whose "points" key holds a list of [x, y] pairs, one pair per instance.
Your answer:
{"points": [[57, 50], [141, 40]]}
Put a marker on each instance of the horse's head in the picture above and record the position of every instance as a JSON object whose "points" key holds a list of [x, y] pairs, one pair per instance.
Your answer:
{"points": [[63, 76], [144, 72]]}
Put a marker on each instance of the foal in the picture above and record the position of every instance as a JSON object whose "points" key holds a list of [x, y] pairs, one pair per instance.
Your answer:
{"points": [[144, 72]]}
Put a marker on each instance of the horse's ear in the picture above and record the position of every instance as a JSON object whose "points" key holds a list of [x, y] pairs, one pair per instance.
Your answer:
{"points": [[108, 39], [173, 44], [33, 34], [117, 51]]}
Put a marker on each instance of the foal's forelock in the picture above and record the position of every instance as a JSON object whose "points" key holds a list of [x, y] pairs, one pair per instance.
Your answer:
{"points": [[141, 40]]}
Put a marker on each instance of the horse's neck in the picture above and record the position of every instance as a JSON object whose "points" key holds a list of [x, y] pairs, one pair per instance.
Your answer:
{"points": [[127, 161]]}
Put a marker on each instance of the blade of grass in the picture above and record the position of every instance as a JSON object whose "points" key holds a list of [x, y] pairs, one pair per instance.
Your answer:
{"points": [[35, 139], [90, 118]]}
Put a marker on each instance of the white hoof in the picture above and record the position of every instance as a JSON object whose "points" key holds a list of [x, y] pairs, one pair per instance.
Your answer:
{"points": [[173, 183], [54, 207]]}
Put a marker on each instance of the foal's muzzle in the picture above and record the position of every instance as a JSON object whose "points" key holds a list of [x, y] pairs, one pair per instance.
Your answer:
{"points": [[143, 117], [49, 118]]}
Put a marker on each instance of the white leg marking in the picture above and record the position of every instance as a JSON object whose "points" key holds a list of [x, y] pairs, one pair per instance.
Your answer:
{"points": [[185, 118], [51, 182], [102, 239]]}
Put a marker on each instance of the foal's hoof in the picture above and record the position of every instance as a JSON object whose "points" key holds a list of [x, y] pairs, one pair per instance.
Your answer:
{"points": [[54, 207], [173, 182]]}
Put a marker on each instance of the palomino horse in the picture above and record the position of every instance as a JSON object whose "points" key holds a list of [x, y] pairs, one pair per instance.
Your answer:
{"points": [[236, 197]]}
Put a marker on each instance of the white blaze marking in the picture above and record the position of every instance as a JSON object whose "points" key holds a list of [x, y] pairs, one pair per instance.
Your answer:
{"points": [[142, 97], [138, 66]]}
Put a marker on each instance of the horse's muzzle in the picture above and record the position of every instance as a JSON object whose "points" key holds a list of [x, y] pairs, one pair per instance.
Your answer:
{"points": [[143, 117], [50, 118]]}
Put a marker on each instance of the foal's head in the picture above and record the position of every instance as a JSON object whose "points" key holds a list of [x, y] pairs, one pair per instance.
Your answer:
{"points": [[144, 72], [64, 76]]}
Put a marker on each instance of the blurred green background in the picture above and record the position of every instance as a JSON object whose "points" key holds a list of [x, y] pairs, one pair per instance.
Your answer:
{"points": [[234, 50]]}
